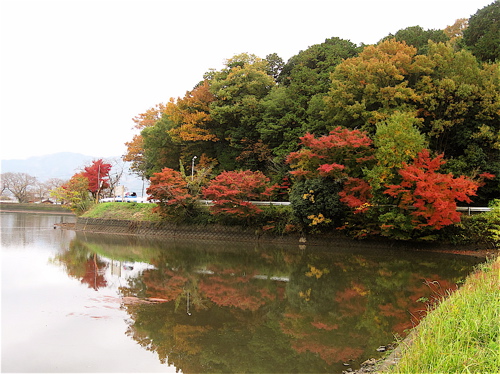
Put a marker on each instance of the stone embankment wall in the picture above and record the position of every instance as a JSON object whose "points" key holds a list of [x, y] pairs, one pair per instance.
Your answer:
{"points": [[237, 234], [170, 230], [212, 233]]}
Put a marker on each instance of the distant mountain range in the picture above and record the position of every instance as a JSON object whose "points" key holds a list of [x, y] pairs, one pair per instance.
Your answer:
{"points": [[58, 165], [63, 166]]}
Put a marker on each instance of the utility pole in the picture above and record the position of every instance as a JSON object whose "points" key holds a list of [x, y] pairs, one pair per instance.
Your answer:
{"points": [[192, 167], [98, 183]]}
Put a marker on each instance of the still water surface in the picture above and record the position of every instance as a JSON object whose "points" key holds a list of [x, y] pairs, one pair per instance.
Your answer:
{"points": [[76, 302]]}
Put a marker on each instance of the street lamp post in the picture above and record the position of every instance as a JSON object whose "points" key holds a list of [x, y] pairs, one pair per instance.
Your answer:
{"points": [[192, 167]]}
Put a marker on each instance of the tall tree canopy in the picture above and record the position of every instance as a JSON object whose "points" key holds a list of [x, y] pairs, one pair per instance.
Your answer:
{"points": [[483, 34], [135, 148], [239, 89], [455, 98], [292, 107], [419, 38], [417, 89]]}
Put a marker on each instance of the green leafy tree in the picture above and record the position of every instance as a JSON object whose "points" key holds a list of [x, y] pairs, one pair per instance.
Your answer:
{"points": [[75, 193], [419, 38], [455, 98], [274, 65], [482, 35], [397, 140], [236, 111], [316, 203], [292, 107], [368, 88], [160, 150]]}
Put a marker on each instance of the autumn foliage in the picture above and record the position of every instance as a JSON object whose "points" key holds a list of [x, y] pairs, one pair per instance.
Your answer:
{"points": [[231, 192], [429, 196], [337, 155], [349, 121], [97, 175], [74, 193], [191, 115], [421, 197], [170, 190]]}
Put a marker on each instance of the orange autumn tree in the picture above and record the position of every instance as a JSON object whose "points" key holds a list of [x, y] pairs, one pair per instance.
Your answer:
{"points": [[169, 189], [426, 198], [192, 115], [135, 148]]}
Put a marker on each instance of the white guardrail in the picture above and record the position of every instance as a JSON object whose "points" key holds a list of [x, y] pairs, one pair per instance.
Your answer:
{"points": [[470, 209], [137, 199], [126, 199]]}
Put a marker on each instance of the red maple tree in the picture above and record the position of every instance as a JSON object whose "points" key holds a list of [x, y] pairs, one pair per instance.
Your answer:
{"points": [[98, 176], [231, 192], [429, 196], [338, 155], [170, 189]]}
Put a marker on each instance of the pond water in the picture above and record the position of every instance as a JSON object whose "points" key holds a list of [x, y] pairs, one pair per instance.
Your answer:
{"points": [[79, 302]]}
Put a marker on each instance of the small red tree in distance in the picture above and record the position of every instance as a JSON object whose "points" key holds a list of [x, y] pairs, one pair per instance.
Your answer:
{"points": [[429, 196], [232, 190], [98, 176], [170, 189]]}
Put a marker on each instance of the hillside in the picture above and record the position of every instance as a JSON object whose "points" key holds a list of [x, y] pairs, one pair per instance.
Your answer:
{"points": [[57, 165]]}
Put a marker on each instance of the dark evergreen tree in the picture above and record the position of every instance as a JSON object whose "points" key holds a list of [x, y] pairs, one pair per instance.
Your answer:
{"points": [[483, 34]]}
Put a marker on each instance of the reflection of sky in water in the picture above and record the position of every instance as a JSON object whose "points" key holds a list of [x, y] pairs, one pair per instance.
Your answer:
{"points": [[53, 323]]}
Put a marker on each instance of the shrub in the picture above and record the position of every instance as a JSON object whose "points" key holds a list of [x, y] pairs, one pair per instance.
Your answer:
{"points": [[483, 228], [316, 203], [278, 219]]}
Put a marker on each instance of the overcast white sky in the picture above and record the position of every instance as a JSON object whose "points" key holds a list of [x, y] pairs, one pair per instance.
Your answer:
{"points": [[75, 72]]}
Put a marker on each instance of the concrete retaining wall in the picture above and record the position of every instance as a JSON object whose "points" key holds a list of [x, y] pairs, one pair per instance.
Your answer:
{"points": [[170, 230], [237, 234]]}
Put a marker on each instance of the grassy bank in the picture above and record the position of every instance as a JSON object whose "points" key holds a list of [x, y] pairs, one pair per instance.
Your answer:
{"points": [[125, 211], [49, 208], [462, 335]]}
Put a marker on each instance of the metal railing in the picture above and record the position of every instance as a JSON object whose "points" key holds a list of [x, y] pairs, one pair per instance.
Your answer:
{"points": [[467, 209], [472, 209]]}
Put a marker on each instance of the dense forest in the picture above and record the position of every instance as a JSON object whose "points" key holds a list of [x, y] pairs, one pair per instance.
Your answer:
{"points": [[358, 126]]}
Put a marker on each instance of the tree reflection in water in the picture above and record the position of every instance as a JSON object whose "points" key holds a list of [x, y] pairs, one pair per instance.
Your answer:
{"points": [[84, 265], [204, 308]]}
